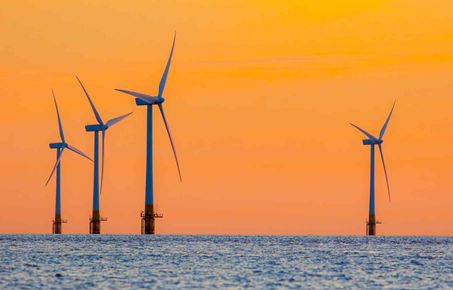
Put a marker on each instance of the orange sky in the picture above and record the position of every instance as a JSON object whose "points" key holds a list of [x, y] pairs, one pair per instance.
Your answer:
{"points": [[259, 97]]}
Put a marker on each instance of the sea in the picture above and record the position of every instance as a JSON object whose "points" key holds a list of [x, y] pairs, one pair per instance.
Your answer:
{"points": [[224, 262]]}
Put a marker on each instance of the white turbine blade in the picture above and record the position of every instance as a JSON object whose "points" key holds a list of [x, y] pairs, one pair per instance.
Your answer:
{"points": [[73, 149], [163, 80], [55, 166], [113, 121], [60, 127], [145, 98], [381, 134], [96, 114], [102, 162], [171, 140], [364, 132], [385, 170]]}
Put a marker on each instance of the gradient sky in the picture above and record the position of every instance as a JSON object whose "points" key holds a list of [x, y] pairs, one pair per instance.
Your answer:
{"points": [[259, 97]]}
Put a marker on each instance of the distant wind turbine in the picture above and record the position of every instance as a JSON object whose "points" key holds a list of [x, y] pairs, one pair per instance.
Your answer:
{"points": [[95, 221], [149, 215], [372, 141], [60, 147]]}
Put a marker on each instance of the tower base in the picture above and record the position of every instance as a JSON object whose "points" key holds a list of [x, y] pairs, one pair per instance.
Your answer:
{"points": [[371, 225], [148, 220], [56, 224], [95, 223]]}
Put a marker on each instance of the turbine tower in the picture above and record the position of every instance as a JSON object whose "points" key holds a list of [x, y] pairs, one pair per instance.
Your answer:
{"points": [[149, 215], [95, 220], [59, 146], [372, 141]]}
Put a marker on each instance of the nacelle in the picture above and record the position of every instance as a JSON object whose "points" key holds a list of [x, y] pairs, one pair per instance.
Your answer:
{"points": [[57, 145], [97, 127], [371, 142], [152, 101]]}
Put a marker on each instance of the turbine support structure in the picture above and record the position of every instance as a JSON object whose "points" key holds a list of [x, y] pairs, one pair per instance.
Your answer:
{"points": [[371, 216], [371, 225], [148, 220], [371, 222], [57, 222], [95, 219], [95, 222], [148, 216], [56, 225]]}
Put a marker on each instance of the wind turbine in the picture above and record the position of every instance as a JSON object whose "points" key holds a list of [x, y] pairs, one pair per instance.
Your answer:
{"points": [[148, 217], [95, 220], [372, 141], [60, 146]]}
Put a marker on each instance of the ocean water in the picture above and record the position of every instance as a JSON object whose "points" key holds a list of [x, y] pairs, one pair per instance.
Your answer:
{"points": [[224, 262]]}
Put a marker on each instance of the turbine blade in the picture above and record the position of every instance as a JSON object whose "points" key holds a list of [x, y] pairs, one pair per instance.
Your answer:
{"points": [[96, 114], [163, 80], [113, 121], [60, 127], [381, 134], [364, 132], [73, 149], [55, 166], [102, 162], [171, 140], [385, 171], [145, 98]]}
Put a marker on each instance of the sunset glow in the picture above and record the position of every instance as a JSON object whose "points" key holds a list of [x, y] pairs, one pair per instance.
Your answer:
{"points": [[259, 99]]}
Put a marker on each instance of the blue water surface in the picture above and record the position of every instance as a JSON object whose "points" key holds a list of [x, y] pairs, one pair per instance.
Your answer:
{"points": [[224, 262]]}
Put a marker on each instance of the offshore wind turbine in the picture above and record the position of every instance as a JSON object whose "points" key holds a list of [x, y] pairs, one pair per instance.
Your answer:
{"points": [[60, 146], [372, 141], [148, 216], [95, 220]]}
